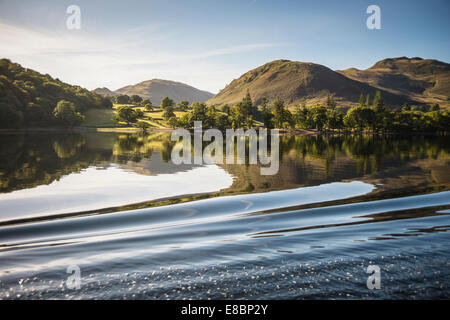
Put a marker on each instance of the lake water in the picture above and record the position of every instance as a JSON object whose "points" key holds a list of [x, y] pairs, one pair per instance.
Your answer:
{"points": [[140, 227]]}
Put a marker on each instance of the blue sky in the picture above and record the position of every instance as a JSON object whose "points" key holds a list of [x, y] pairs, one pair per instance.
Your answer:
{"points": [[209, 43]]}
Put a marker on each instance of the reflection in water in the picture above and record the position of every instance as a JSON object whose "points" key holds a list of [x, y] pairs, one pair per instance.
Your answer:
{"points": [[94, 189], [30, 160], [352, 201]]}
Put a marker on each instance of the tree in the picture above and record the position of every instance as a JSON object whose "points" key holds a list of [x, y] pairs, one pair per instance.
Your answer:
{"points": [[335, 119], [266, 114], [29, 98], [145, 102], [183, 105], [246, 106], [361, 100], [168, 112], [330, 102], [167, 102], [127, 114], [435, 107], [67, 113], [360, 117], [121, 99], [147, 105], [280, 113], [367, 103], [236, 117], [135, 99], [198, 112], [299, 117], [225, 108], [210, 120], [173, 122], [318, 117], [222, 121], [378, 103]]}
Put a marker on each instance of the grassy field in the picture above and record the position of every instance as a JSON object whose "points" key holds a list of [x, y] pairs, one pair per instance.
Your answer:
{"points": [[153, 118], [99, 118], [105, 118]]}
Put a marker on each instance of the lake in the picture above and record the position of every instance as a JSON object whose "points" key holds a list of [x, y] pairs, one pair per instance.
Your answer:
{"points": [[137, 226]]}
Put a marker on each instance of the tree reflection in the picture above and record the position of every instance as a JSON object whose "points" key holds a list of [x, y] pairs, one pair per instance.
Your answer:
{"points": [[30, 159]]}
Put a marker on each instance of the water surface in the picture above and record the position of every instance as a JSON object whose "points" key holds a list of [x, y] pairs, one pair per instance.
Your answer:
{"points": [[139, 226]]}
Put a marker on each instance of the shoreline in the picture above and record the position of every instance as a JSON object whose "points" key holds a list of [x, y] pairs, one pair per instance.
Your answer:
{"points": [[299, 132]]}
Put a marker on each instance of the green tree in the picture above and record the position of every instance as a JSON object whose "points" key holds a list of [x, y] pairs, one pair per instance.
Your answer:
{"points": [[360, 117], [67, 113], [378, 103], [335, 119], [135, 99], [318, 117], [225, 108], [367, 103], [183, 105], [147, 105], [361, 100], [10, 117], [173, 122], [280, 114], [167, 102], [330, 102], [246, 106], [168, 112], [198, 112], [236, 117], [210, 120], [222, 121], [266, 114], [127, 114], [121, 99]]}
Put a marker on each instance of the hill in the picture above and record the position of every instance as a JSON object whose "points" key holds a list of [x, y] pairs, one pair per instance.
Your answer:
{"points": [[157, 89], [105, 91], [294, 81], [28, 98], [424, 80]]}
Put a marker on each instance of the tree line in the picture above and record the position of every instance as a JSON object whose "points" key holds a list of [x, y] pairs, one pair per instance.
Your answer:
{"points": [[370, 115]]}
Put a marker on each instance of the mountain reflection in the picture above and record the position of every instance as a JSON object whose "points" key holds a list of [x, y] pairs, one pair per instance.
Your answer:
{"points": [[32, 159]]}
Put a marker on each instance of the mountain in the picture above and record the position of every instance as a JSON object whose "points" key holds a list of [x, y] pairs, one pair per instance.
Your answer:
{"points": [[293, 81], [157, 89], [424, 80], [105, 91]]}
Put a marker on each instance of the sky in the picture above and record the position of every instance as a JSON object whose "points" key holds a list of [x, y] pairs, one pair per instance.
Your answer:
{"points": [[207, 43]]}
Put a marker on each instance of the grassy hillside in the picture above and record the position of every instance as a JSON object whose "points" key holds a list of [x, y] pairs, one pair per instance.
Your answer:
{"points": [[294, 81], [423, 80], [28, 98]]}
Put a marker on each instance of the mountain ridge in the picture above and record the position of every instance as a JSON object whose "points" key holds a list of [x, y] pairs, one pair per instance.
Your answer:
{"points": [[296, 81], [156, 89]]}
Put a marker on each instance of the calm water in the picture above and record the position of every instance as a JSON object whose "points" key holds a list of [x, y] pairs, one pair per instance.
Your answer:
{"points": [[139, 226]]}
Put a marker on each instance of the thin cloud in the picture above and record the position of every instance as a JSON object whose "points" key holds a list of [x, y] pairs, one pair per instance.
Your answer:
{"points": [[93, 61]]}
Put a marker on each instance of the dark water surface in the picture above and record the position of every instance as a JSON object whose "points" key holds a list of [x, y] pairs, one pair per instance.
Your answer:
{"points": [[139, 226]]}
